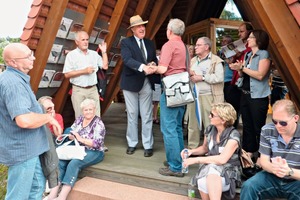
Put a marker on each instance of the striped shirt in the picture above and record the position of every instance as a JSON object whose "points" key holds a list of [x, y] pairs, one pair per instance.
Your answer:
{"points": [[272, 144], [17, 98]]}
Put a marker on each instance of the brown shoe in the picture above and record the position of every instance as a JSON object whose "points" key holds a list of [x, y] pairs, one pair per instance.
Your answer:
{"points": [[167, 172]]}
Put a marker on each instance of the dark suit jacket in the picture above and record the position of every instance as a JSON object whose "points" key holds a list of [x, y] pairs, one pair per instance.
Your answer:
{"points": [[132, 79]]}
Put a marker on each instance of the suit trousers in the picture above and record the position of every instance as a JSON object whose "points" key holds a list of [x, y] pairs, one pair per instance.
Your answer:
{"points": [[139, 103], [79, 94]]}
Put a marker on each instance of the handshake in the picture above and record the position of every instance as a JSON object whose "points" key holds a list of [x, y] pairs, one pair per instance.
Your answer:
{"points": [[150, 68]]}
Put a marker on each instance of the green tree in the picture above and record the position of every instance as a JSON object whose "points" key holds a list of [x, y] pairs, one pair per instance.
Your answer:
{"points": [[3, 43]]}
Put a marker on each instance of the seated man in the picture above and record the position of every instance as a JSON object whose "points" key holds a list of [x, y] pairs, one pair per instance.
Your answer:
{"points": [[48, 105], [280, 157]]}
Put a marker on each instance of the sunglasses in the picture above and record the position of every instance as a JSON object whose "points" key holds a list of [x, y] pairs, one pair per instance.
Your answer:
{"points": [[212, 115], [282, 123]]}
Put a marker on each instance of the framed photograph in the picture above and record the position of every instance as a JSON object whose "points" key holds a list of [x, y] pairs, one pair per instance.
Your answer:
{"points": [[94, 35], [75, 27], [63, 55], [57, 79], [55, 53], [64, 27], [46, 78], [101, 36]]}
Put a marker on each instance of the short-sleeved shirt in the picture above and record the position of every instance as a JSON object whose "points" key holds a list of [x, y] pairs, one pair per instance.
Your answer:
{"points": [[77, 60], [272, 144], [95, 131], [17, 98], [173, 55]]}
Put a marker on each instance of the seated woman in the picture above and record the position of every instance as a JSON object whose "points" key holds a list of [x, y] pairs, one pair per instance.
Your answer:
{"points": [[89, 130], [218, 156]]}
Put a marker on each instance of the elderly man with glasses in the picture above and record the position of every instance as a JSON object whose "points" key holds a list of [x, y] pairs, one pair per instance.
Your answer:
{"points": [[280, 157], [22, 126]]}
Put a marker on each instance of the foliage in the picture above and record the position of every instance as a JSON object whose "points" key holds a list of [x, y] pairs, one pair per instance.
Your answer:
{"points": [[3, 178], [3, 43], [230, 12]]}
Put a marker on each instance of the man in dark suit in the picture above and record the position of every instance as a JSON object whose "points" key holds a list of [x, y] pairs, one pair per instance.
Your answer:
{"points": [[137, 83]]}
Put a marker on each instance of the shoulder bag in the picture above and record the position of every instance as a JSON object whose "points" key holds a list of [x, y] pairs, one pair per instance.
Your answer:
{"points": [[177, 87], [67, 151]]}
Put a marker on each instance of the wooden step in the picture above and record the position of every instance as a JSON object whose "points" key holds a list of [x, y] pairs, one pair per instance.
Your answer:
{"points": [[95, 189]]}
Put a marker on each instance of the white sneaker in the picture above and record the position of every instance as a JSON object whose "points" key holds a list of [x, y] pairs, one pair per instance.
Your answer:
{"points": [[105, 148]]}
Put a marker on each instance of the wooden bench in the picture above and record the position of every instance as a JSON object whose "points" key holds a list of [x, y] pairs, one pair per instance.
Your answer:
{"points": [[96, 189]]}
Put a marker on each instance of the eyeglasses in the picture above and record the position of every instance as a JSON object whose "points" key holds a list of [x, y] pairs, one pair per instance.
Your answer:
{"points": [[29, 57], [212, 115], [49, 109], [282, 123], [199, 45]]}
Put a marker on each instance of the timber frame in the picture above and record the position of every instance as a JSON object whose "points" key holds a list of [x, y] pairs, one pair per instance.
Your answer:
{"points": [[273, 16]]}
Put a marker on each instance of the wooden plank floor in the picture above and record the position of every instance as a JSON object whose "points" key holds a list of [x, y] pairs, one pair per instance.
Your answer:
{"points": [[134, 169]]}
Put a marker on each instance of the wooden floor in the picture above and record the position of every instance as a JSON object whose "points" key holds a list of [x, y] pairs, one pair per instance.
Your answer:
{"points": [[134, 169]]}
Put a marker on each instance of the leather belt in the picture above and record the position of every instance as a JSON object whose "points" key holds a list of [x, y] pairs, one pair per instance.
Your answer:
{"points": [[86, 87], [245, 91]]}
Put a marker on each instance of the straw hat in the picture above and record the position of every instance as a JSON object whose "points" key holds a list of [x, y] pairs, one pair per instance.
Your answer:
{"points": [[136, 20]]}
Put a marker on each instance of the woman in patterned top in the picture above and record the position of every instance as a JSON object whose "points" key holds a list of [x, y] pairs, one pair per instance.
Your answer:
{"points": [[89, 130], [218, 156]]}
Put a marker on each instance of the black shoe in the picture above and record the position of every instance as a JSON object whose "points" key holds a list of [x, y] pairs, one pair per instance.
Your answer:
{"points": [[130, 150], [148, 152], [167, 172]]}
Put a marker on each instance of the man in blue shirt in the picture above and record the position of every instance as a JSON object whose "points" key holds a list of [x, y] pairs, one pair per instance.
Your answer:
{"points": [[22, 133], [280, 157]]}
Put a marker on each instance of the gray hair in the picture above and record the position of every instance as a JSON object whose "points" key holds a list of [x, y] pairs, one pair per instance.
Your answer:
{"points": [[206, 41], [87, 102], [43, 98], [78, 33], [176, 26]]}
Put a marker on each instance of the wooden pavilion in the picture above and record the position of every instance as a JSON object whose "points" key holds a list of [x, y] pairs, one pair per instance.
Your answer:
{"points": [[109, 19], [51, 23]]}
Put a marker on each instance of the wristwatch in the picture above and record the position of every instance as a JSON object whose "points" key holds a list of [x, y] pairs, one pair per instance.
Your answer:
{"points": [[203, 78], [290, 173]]}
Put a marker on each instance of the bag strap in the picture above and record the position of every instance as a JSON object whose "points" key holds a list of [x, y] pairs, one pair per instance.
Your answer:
{"points": [[60, 139], [187, 60]]}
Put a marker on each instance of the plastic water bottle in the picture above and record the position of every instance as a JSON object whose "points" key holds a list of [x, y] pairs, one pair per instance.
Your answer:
{"points": [[191, 193], [185, 156]]}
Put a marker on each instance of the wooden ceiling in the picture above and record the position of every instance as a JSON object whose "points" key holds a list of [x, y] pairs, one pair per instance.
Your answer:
{"points": [[273, 16]]}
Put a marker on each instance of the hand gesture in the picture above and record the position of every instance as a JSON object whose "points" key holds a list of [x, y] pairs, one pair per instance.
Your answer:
{"points": [[56, 127], [280, 166], [102, 47], [89, 70]]}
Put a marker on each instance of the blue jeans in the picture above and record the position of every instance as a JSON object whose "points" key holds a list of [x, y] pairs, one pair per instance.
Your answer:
{"points": [[171, 128], [69, 169], [26, 180], [265, 185]]}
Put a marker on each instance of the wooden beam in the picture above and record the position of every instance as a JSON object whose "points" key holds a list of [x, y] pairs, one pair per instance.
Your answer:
{"points": [[48, 36], [113, 85], [91, 14], [190, 12], [141, 7], [156, 11], [89, 21], [167, 7], [113, 28], [115, 21]]}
